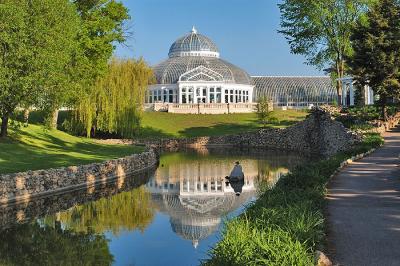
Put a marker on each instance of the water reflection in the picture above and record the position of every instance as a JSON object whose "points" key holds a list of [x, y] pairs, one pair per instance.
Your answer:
{"points": [[196, 203], [193, 191], [188, 189], [50, 244]]}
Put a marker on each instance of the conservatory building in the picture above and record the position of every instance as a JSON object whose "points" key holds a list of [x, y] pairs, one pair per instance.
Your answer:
{"points": [[194, 76], [194, 79]]}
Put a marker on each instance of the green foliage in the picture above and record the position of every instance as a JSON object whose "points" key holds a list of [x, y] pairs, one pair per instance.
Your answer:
{"points": [[103, 24], [285, 226], [115, 104], [37, 40], [376, 44], [321, 29], [245, 245], [52, 51], [360, 118], [263, 110], [54, 26], [15, 59]]}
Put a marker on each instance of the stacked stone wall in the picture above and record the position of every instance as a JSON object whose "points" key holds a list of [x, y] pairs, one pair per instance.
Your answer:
{"points": [[27, 185], [31, 209]]}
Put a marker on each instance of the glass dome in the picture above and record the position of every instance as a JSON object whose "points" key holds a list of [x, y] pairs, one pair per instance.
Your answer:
{"points": [[194, 51], [169, 71], [193, 44]]}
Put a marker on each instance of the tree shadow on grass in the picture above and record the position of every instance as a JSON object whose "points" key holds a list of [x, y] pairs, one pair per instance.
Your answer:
{"points": [[16, 156], [218, 130], [232, 128], [153, 133]]}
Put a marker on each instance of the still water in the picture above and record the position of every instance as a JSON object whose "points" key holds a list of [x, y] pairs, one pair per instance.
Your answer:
{"points": [[169, 216]]}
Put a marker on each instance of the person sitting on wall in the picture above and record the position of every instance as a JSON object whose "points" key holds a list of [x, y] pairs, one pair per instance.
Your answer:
{"points": [[236, 179]]}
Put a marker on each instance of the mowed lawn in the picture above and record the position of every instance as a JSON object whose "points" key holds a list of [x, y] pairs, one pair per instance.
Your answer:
{"points": [[34, 148], [159, 124]]}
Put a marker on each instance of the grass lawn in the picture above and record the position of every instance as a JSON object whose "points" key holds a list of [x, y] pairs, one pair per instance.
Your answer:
{"points": [[158, 124], [33, 148]]}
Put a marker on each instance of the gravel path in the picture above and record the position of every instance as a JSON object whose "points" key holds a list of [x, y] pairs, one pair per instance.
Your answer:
{"points": [[364, 209]]}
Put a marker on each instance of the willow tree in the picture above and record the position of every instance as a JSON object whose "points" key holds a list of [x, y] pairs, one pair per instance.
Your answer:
{"points": [[321, 30], [115, 104]]}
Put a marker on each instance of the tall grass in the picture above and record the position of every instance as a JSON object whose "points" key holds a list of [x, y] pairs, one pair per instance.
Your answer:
{"points": [[285, 226]]}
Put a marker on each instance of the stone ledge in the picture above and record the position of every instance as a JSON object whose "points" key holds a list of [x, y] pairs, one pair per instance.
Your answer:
{"points": [[19, 187]]}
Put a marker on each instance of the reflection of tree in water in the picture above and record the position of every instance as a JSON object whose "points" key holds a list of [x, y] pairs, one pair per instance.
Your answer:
{"points": [[125, 211], [76, 236], [43, 244]]}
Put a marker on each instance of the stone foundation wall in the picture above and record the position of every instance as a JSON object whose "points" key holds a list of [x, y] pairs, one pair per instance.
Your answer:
{"points": [[27, 185], [381, 127], [317, 134], [29, 210]]}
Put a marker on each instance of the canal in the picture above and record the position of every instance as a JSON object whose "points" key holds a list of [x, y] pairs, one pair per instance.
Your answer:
{"points": [[168, 216]]}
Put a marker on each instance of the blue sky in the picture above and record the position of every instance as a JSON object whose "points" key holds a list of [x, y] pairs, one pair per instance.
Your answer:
{"points": [[244, 30]]}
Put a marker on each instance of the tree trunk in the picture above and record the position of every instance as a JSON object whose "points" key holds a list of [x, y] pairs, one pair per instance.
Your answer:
{"points": [[342, 76], [54, 119], [339, 82], [384, 109], [4, 126], [26, 116], [339, 92]]}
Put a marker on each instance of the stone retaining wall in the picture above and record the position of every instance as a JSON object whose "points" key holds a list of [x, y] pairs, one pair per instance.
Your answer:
{"points": [[29, 210], [27, 185], [317, 134], [381, 127]]}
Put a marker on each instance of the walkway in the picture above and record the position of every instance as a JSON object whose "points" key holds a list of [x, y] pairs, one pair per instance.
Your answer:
{"points": [[364, 209]]}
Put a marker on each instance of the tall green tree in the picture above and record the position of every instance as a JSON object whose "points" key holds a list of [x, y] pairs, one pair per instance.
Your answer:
{"points": [[320, 30], [54, 39], [103, 25], [36, 40], [376, 44], [15, 59]]}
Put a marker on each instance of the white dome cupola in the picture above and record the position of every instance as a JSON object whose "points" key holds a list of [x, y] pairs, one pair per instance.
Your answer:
{"points": [[193, 44]]}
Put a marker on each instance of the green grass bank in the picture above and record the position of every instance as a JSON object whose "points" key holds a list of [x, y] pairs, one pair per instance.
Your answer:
{"points": [[285, 225], [169, 125], [33, 148], [158, 124]]}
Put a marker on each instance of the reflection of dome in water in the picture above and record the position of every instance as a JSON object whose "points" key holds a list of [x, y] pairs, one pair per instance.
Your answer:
{"points": [[196, 217], [195, 196], [194, 229]]}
